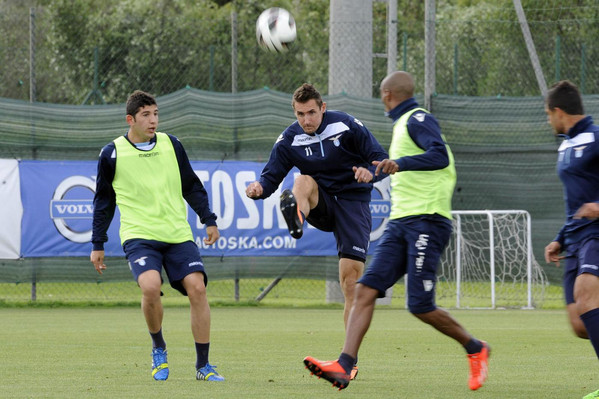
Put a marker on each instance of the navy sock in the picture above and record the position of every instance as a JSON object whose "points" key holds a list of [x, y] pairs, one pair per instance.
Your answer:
{"points": [[347, 362], [591, 322], [473, 346], [158, 340], [202, 351]]}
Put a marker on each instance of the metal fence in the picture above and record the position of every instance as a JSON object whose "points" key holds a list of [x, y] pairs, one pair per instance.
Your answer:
{"points": [[71, 53], [59, 53]]}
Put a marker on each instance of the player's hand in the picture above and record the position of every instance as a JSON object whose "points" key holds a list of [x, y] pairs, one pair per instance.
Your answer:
{"points": [[97, 258], [589, 210], [254, 190], [212, 235], [386, 166], [552, 253], [362, 175]]}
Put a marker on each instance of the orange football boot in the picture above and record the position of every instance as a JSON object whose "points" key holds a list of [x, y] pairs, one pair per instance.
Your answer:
{"points": [[353, 373], [479, 365], [329, 370]]}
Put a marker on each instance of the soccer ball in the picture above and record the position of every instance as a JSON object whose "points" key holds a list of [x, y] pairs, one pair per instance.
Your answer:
{"points": [[275, 29]]}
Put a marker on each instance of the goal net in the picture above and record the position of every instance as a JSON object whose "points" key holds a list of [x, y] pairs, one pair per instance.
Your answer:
{"points": [[489, 262]]}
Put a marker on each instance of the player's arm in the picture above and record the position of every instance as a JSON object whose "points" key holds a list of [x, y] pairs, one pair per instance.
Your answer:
{"points": [[104, 205], [370, 150], [192, 188], [254, 190], [275, 170], [554, 248], [588, 210], [427, 136], [552, 251], [212, 235]]}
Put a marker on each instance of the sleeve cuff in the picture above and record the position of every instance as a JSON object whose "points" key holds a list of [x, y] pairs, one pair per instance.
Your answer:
{"points": [[98, 246], [210, 222]]}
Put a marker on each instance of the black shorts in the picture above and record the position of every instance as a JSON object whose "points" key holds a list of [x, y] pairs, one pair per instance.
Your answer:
{"points": [[413, 246], [178, 260], [349, 220], [581, 258]]}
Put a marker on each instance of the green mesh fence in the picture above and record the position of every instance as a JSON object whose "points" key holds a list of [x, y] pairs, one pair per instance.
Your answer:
{"points": [[63, 53], [212, 126], [504, 149]]}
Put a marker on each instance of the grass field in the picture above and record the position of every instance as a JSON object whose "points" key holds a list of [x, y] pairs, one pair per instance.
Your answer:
{"points": [[103, 352]]}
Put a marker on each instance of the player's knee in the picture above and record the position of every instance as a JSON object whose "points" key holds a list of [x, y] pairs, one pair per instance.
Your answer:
{"points": [[421, 306], [150, 290], [195, 287], [578, 326], [348, 282], [304, 180], [306, 185], [580, 331], [151, 293]]}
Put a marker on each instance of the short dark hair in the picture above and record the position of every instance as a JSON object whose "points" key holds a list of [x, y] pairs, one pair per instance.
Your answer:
{"points": [[565, 96], [139, 99], [305, 93]]}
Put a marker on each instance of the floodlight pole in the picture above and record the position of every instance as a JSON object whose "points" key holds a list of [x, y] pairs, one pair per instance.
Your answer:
{"points": [[32, 84], [429, 53], [391, 54], [234, 76], [32, 89], [233, 52], [530, 46], [391, 36]]}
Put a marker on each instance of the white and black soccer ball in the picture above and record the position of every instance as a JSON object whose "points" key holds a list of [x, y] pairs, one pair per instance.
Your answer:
{"points": [[275, 29]]}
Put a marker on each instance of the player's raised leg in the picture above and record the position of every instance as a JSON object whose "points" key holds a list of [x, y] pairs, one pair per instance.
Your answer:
{"points": [[296, 204]]}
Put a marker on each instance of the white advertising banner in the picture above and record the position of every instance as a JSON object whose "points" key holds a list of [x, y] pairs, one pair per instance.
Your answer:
{"points": [[11, 209]]}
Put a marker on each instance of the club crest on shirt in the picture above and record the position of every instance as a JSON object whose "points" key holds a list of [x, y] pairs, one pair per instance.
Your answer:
{"points": [[578, 151], [420, 116], [335, 139]]}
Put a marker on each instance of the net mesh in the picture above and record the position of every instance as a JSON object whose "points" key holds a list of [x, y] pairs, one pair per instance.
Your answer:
{"points": [[487, 260]]}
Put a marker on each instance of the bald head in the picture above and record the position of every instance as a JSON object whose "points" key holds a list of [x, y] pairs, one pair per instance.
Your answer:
{"points": [[400, 84]]}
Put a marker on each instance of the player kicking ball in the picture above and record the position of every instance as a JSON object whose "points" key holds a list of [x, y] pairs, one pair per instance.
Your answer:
{"points": [[334, 152]]}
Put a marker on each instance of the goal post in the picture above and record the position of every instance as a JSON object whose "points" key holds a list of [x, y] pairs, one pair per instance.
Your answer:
{"points": [[489, 262]]}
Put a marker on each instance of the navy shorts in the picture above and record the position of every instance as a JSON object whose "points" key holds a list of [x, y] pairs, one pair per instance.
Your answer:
{"points": [[581, 258], [414, 246], [178, 260], [349, 220]]}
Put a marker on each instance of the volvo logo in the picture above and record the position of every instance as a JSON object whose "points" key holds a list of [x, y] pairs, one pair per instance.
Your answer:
{"points": [[380, 207], [71, 215]]}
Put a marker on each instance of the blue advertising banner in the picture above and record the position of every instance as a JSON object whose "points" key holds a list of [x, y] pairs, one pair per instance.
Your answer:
{"points": [[57, 199]]}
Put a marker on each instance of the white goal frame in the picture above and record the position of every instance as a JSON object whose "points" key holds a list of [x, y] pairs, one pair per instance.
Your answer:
{"points": [[534, 278]]}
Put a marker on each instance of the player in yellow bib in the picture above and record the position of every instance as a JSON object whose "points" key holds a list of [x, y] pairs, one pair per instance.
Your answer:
{"points": [[148, 175], [423, 177]]}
